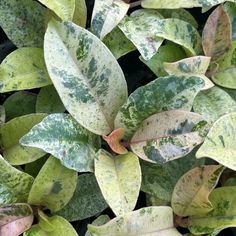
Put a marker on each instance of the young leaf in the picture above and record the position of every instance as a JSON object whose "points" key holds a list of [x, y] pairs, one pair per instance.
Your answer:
{"points": [[190, 195], [11, 132], [222, 216], [214, 103], [166, 93], [106, 16], [15, 219], [63, 8], [87, 77], [219, 144], [24, 22], [61, 136], [119, 178], [168, 135], [23, 69], [15, 185], [80, 14], [160, 222], [217, 35], [54, 186], [87, 200]]}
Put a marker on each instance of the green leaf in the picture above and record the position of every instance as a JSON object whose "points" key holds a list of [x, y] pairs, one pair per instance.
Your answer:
{"points": [[87, 77], [166, 93], [166, 53], [160, 222], [119, 178], [230, 8], [15, 219], [80, 14], [54, 186], [159, 180], [87, 200], [190, 195], [106, 16], [219, 144], [63, 8], [48, 101], [19, 104], [222, 216], [217, 35], [61, 136], [15, 185], [11, 132], [24, 22], [23, 69], [168, 135], [214, 103], [2, 115], [118, 44]]}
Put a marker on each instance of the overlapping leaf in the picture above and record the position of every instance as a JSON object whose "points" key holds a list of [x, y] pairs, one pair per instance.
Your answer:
{"points": [[230, 8], [80, 14], [86, 76]]}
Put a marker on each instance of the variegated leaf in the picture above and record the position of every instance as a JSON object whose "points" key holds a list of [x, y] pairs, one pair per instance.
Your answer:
{"points": [[168, 135], [23, 69], [119, 178], [54, 186], [164, 93], [190, 195], [219, 144], [87, 77], [230, 8], [106, 16], [143, 222], [61, 136]]}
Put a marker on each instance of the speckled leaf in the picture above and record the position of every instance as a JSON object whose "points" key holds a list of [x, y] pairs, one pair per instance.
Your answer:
{"points": [[164, 93], [217, 35], [19, 104], [214, 103], [166, 53], [190, 195], [23, 69], [11, 132], [63, 8], [80, 14], [15, 219], [61, 136], [15, 185], [87, 77], [194, 66], [219, 144], [159, 180], [48, 101], [143, 222], [87, 200], [230, 8], [119, 178], [168, 135], [106, 16], [54, 186], [24, 22], [118, 44], [222, 216]]}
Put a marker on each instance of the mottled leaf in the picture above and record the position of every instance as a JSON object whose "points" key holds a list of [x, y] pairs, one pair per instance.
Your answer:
{"points": [[87, 77], [106, 16], [217, 35], [190, 195], [166, 93], [230, 8], [80, 14], [168, 135], [11, 132], [119, 178], [143, 222], [214, 103], [15, 185], [54, 186], [219, 144], [87, 200], [23, 69], [15, 219], [60, 135]]}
